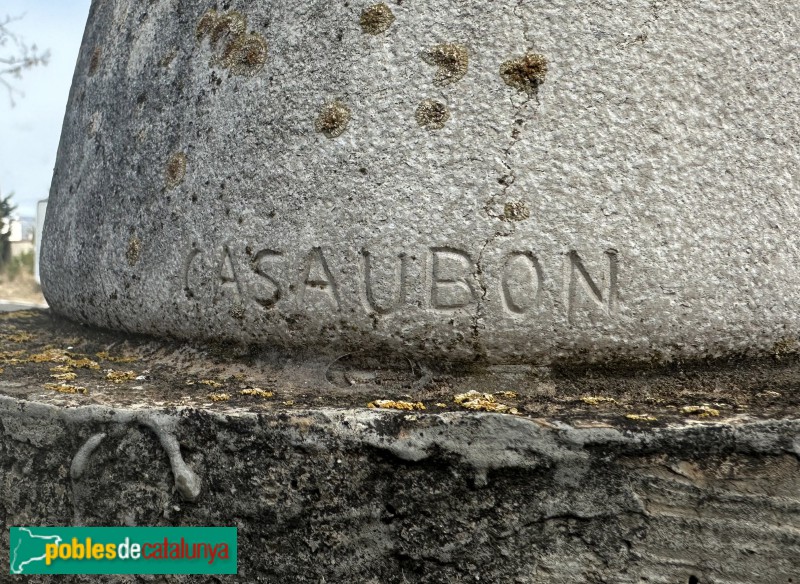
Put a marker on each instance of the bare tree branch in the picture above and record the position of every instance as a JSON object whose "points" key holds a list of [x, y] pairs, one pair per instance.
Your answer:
{"points": [[16, 56]]}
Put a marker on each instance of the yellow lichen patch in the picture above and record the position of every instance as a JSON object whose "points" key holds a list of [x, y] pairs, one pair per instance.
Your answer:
{"points": [[387, 404], [507, 394], [245, 55], [242, 53], [219, 397], [134, 251], [61, 369], [231, 24], [65, 376], [516, 211], [257, 392], [333, 120], [176, 170], [106, 357], [288, 403], [377, 19], [64, 388], [210, 383], [441, 405], [482, 402], [525, 73], [641, 417], [207, 23], [700, 411], [49, 356], [452, 61], [596, 400], [12, 357], [120, 376], [83, 363], [19, 337], [432, 114], [1, 370]]}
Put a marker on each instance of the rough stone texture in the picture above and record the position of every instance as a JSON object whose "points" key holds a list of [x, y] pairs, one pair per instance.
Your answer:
{"points": [[650, 170], [359, 496], [651, 475]]}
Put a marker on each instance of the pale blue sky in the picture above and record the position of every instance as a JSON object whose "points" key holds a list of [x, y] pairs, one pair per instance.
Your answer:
{"points": [[30, 131]]}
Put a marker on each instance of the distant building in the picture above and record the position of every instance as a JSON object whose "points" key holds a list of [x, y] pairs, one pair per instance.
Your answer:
{"points": [[20, 243]]}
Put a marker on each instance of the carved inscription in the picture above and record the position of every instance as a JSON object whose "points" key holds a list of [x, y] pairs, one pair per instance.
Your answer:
{"points": [[521, 283], [400, 284], [227, 273], [452, 282], [262, 263], [444, 279], [318, 277], [580, 279]]}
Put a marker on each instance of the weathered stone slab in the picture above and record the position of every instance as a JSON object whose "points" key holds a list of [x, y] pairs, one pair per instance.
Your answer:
{"points": [[514, 181], [343, 495]]}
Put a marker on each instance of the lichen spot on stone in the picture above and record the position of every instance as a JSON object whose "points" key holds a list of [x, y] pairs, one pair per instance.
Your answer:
{"points": [[432, 114], [452, 61], [134, 250], [94, 61], [245, 55], [207, 24], [242, 53], [377, 19], [176, 170], [333, 119], [516, 211], [525, 73], [229, 25]]}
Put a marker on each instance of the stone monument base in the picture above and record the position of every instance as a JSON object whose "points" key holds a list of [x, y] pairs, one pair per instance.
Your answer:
{"points": [[667, 475]]}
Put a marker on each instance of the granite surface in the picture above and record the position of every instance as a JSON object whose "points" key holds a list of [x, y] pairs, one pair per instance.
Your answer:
{"points": [[494, 180]]}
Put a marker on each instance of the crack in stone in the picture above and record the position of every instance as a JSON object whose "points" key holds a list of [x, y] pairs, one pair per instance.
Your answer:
{"points": [[526, 27], [478, 275]]}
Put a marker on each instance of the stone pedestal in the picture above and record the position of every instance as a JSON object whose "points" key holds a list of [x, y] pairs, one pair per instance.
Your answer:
{"points": [[501, 291], [687, 475], [503, 180]]}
